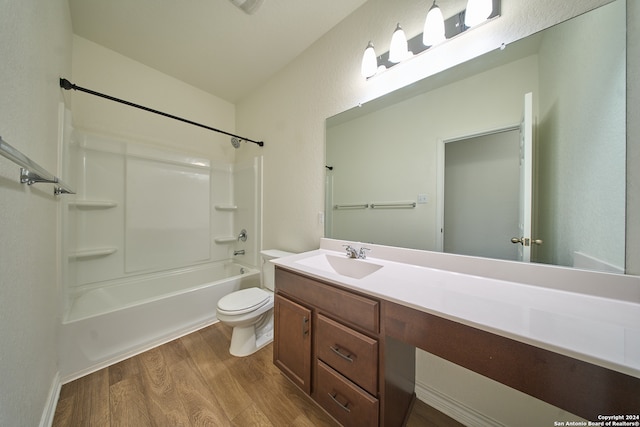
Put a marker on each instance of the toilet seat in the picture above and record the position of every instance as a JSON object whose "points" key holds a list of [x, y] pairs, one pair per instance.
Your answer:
{"points": [[243, 301]]}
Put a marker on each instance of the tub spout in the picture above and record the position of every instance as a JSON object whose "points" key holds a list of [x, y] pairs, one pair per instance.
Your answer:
{"points": [[240, 252]]}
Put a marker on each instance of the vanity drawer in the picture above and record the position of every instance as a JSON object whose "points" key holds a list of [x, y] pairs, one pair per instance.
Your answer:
{"points": [[355, 309], [346, 402], [351, 353]]}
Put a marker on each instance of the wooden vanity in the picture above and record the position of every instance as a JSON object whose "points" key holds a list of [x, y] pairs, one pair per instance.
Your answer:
{"points": [[354, 354], [329, 342]]}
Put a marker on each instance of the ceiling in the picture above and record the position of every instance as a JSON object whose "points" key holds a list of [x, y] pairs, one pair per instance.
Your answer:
{"points": [[210, 44]]}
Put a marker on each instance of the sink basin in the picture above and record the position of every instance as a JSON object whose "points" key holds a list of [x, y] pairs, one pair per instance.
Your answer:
{"points": [[342, 265]]}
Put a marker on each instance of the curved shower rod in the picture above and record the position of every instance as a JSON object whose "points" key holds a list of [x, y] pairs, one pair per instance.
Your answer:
{"points": [[67, 85]]}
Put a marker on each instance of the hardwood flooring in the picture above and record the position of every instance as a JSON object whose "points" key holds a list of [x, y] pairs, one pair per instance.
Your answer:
{"points": [[194, 381]]}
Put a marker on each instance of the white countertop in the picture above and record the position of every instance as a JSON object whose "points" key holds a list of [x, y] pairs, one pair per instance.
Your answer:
{"points": [[594, 328]]}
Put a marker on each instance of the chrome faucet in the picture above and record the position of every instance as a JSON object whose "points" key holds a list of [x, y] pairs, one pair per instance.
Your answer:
{"points": [[243, 235], [240, 252], [353, 253]]}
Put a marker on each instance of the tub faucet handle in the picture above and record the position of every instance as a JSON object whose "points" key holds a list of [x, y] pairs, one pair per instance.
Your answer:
{"points": [[243, 235]]}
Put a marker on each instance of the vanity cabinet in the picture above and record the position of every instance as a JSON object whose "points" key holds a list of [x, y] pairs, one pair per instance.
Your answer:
{"points": [[351, 376], [363, 334]]}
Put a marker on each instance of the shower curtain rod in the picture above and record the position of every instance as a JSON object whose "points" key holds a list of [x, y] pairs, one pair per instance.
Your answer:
{"points": [[67, 85]]}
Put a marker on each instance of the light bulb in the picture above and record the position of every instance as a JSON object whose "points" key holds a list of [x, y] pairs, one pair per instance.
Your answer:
{"points": [[399, 50], [477, 12], [369, 62], [433, 27]]}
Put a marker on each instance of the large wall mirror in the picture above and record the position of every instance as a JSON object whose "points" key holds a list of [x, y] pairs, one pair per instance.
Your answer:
{"points": [[438, 165]]}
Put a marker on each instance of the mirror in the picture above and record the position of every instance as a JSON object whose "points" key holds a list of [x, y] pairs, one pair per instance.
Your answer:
{"points": [[387, 160]]}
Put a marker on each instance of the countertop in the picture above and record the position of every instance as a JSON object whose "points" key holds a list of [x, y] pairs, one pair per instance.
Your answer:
{"points": [[588, 326]]}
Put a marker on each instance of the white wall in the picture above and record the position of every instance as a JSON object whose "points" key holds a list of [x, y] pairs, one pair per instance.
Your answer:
{"points": [[289, 113], [105, 71], [585, 128], [35, 51]]}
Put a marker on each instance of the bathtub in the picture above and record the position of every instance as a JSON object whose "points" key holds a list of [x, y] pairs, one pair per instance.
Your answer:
{"points": [[105, 325]]}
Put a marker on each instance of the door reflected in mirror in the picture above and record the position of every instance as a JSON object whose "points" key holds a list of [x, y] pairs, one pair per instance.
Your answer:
{"points": [[388, 150]]}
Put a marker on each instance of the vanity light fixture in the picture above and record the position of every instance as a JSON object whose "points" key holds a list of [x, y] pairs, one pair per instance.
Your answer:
{"points": [[399, 50], [477, 12], [436, 31], [433, 27], [369, 62]]}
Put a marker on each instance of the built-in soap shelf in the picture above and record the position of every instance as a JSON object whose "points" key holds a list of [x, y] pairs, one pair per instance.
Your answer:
{"points": [[226, 207], [225, 239], [93, 204], [92, 253]]}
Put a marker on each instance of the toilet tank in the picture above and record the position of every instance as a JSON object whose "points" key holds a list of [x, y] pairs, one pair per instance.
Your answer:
{"points": [[268, 268]]}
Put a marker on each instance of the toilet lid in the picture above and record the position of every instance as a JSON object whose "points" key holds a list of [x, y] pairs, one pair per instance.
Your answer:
{"points": [[243, 301]]}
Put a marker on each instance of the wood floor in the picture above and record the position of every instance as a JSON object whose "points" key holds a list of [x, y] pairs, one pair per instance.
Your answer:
{"points": [[194, 381]]}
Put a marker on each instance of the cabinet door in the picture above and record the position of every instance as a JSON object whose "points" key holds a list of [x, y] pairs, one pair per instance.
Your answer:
{"points": [[292, 341]]}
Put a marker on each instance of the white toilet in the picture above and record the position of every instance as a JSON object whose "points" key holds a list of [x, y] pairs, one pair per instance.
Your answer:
{"points": [[250, 311]]}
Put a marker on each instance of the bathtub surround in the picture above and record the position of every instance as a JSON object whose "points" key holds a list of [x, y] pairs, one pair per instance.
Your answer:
{"points": [[159, 206], [150, 235], [142, 209]]}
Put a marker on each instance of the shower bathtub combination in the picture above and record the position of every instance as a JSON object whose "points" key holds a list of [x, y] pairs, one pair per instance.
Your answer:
{"points": [[150, 244]]}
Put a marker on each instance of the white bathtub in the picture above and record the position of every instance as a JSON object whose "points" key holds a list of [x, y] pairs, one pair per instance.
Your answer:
{"points": [[109, 324]]}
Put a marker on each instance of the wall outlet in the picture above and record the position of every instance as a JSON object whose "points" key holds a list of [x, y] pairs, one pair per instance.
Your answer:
{"points": [[321, 218], [423, 198]]}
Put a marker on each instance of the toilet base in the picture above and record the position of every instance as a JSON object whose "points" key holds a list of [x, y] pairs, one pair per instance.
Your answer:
{"points": [[246, 340]]}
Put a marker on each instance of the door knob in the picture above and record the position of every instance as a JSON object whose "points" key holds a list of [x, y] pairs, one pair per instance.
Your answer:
{"points": [[525, 241]]}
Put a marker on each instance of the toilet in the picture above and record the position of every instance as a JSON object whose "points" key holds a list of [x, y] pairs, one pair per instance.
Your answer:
{"points": [[250, 311]]}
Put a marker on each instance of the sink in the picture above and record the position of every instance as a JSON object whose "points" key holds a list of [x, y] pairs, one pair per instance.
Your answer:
{"points": [[342, 265]]}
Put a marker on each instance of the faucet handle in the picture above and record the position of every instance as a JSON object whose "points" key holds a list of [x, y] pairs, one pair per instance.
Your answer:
{"points": [[363, 254]]}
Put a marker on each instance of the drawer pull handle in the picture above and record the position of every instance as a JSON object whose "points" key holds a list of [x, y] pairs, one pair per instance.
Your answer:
{"points": [[337, 351], [334, 398]]}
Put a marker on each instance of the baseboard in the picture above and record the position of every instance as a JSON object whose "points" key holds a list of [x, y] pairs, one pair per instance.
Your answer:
{"points": [[452, 408], [52, 401]]}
